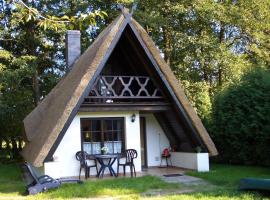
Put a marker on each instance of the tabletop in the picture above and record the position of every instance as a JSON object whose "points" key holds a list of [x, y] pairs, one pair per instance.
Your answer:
{"points": [[106, 156]]}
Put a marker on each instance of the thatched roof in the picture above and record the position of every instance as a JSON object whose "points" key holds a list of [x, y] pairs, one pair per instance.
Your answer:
{"points": [[48, 122]]}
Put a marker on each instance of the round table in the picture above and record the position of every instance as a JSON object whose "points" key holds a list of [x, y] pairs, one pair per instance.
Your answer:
{"points": [[110, 158]]}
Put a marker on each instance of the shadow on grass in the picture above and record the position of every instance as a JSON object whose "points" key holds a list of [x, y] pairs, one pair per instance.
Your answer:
{"points": [[11, 179]]}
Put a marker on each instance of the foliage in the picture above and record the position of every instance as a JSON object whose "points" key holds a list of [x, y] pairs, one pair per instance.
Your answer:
{"points": [[241, 120], [208, 40], [210, 43], [198, 94], [32, 53]]}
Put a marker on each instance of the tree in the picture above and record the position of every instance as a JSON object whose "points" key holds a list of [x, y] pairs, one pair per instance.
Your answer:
{"points": [[205, 42], [32, 53]]}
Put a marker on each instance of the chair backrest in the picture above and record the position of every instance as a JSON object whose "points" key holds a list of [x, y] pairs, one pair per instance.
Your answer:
{"points": [[29, 175], [131, 154], [166, 152], [81, 156]]}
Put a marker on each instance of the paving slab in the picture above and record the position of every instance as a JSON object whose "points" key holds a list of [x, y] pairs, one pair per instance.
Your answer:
{"points": [[184, 179]]}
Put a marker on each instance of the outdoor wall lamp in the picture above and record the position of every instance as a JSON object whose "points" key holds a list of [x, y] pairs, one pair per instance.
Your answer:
{"points": [[133, 117]]}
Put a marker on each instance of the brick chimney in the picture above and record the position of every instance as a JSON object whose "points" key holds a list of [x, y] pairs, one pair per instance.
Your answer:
{"points": [[73, 47]]}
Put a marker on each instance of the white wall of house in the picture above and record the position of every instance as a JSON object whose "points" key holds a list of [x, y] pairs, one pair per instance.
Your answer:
{"points": [[196, 161], [156, 140], [65, 163]]}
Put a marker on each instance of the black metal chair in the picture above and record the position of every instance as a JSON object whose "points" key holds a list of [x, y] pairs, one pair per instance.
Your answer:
{"points": [[36, 183], [82, 156], [130, 155]]}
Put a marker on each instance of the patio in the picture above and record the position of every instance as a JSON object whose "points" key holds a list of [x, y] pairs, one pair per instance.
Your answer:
{"points": [[160, 171], [152, 171]]}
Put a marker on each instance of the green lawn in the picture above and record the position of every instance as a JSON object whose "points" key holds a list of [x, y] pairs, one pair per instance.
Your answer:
{"points": [[223, 181]]}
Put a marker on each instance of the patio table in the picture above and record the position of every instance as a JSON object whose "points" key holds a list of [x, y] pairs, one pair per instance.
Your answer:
{"points": [[106, 160]]}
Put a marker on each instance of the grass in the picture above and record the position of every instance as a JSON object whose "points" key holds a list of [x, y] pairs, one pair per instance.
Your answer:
{"points": [[228, 176], [12, 187], [223, 181], [111, 187], [10, 180]]}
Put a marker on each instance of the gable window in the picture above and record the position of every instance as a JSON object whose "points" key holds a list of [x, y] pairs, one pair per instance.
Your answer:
{"points": [[102, 132]]}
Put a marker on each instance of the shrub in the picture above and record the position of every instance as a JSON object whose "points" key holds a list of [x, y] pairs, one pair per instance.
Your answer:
{"points": [[241, 120]]}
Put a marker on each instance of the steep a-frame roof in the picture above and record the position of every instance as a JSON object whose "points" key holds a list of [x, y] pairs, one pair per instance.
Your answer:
{"points": [[47, 123]]}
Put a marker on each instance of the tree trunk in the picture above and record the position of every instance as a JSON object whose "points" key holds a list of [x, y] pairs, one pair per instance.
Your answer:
{"points": [[15, 151], [1, 143], [167, 45], [20, 143], [220, 66], [221, 40], [167, 33]]}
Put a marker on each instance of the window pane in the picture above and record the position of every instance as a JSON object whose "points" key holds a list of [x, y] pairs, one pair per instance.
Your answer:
{"points": [[117, 146], [97, 133], [87, 136], [108, 136], [109, 145], [96, 136], [117, 124], [96, 146], [92, 147], [87, 147], [85, 124], [117, 136], [108, 125], [96, 125]]}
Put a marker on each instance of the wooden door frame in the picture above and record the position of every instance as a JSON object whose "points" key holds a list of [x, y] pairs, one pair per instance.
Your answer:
{"points": [[142, 118]]}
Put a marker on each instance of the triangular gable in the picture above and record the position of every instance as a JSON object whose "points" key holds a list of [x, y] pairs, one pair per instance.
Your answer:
{"points": [[174, 85], [46, 124]]}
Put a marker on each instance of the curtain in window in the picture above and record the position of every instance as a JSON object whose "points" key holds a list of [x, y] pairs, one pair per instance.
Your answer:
{"points": [[92, 147]]}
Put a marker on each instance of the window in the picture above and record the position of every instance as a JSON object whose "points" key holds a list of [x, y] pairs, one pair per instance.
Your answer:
{"points": [[99, 132]]}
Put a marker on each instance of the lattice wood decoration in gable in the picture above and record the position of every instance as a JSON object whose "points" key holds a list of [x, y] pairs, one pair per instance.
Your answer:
{"points": [[124, 87]]}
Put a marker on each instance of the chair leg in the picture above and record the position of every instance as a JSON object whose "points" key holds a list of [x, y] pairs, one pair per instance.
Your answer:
{"points": [[117, 170], [171, 161], [85, 171], [134, 170], [96, 166], [89, 170], [124, 167], [80, 173], [131, 170]]}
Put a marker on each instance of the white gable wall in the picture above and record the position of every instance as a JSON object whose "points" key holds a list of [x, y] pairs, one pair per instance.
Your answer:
{"points": [[65, 163], [156, 141]]}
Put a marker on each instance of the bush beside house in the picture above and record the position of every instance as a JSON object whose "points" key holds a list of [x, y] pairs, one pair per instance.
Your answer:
{"points": [[241, 120]]}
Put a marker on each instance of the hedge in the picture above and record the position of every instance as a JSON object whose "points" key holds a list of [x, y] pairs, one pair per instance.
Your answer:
{"points": [[241, 120]]}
